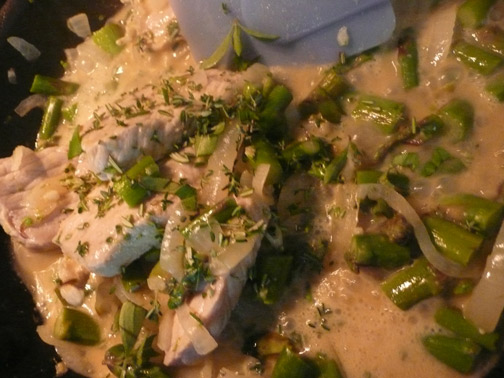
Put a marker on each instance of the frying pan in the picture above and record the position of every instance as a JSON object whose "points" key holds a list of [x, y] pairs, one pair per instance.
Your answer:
{"points": [[42, 23]]}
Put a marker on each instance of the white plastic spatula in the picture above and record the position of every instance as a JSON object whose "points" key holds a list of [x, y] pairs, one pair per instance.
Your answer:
{"points": [[307, 29]]}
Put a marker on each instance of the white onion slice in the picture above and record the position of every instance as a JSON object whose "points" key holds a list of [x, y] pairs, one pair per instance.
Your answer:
{"points": [[224, 156], [29, 103], [11, 76], [402, 206], [486, 302], [202, 240], [201, 339], [172, 258], [29, 52], [79, 24], [233, 255]]}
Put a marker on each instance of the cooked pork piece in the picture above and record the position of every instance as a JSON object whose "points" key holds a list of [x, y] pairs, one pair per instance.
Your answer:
{"points": [[149, 121], [32, 195], [212, 307]]}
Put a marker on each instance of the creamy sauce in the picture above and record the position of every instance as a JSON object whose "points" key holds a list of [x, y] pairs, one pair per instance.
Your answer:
{"points": [[366, 332]]}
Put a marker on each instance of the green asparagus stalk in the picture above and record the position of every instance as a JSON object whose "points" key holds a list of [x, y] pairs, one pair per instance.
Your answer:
{"points": [[264, 153], [376, 250], [335, 167], [106, 38], [458, 116], [383, 112], [427, 129], [367, 176], [75, 147], [272, 118], [273, 272], [480, 214], [52, 87], [51, 118], [491, 38], [301, 150], [472, 13], [291, 365], [452, 240], [456, 352], [407, 55], [454, 321], [476, 58], [412, 284], [496, 88]]}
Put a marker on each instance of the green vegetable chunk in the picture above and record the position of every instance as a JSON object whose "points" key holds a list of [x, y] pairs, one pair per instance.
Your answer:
{"points": [[472, 13], [52, 86], [51, 118], [264, 153], [412, 284], [407, 55], [291, 365], [77, 327], [456, 352], [130, 191], [491, 38], [376, 250], [480, 214], [476, 58], [273, 272], [131, 319], [452, 240], [383, 112], [106, 38], [458, 116], [328, 368], [75, 147], [454, 321]]}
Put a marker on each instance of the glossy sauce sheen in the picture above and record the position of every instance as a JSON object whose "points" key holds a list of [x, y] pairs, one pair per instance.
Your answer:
{"points": [[363, 329]]}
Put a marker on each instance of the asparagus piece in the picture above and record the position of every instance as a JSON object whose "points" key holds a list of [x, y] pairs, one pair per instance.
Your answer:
{"points": [[491, 38], [273, 273], [271, 343], [335, 167], [456, 352], [407, 55], [458, 116], [472, 13], [376, 250], [272, 121], [301, 150], [264, 153], [130, 191], [496, 88], [77, 327], [383, 112], [290, 365], [452, 240], [454, 321], [75, 147], [324, 98], [476, 58], [367, 176], [480, 214], [52, 87], [106, 38], [428, 128], [51, 118], [412, 284]]}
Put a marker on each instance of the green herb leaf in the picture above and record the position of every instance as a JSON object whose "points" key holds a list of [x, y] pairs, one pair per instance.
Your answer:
{"points": [[407, 160], [442, 161], [258, 35], [131, 319], [219, 53], [237, 43], [75, 148]]}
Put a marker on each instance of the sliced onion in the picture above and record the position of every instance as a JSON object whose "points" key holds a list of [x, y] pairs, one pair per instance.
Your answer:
{"points": [[30, 103], [486, 302], [202, 240], [29, 52], [11, 76], [233, 255], [201, 339], [259, 180], [171, 257], [402, 206], [79, 24], [224, 156]]}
